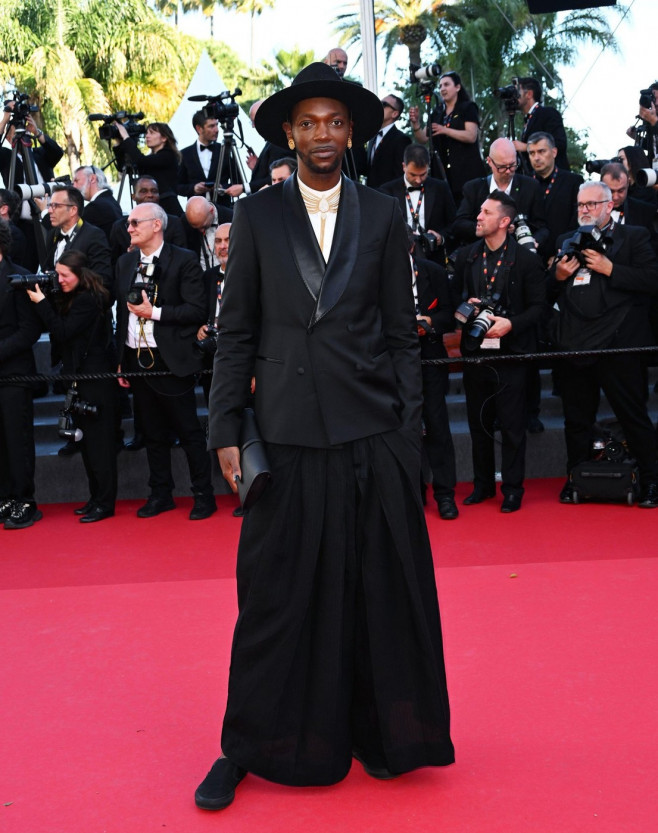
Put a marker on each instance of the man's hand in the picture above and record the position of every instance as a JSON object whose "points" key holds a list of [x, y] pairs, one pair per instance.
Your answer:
{"points": [[200, 188], [598, 262], [649, 114], [235, 190], [123, 383], [423, 331], [499, 328], [520, 146], [252, 161], [202, 332], [143, 310], [565, 268], [438, 235], [229, 462], [414, 117]]}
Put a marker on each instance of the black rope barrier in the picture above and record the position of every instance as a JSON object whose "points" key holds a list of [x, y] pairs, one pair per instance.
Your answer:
{"points": [[479, 359]]}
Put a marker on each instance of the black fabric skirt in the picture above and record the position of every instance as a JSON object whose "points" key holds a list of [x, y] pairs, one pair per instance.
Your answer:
{"points": [[338, 642]]}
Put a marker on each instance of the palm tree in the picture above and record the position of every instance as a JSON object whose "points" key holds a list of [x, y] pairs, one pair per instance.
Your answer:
{"points": [[252, 8]]}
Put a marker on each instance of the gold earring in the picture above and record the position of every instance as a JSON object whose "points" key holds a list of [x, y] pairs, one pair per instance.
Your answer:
{"points": [[291, 144], [349, 143]]}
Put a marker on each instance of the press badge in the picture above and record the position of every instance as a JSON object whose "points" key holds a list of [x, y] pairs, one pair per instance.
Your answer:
{"points": [[583, 277], [490, 344]]}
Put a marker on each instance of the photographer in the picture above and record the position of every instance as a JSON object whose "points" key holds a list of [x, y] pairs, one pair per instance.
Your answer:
{"points": [[199, 163], [214, 283], [602, 291], [646, 135], [537, 118], [634, 159], [19, 330], [10, 209], [162, 163], [455, 128], [498, 272], [80, 327], [101, 210]]}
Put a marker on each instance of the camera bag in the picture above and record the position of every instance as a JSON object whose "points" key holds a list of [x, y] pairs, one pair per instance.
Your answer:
{"points": [[606, 481]]}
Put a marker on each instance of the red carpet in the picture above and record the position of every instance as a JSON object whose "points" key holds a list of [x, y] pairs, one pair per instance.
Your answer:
{"points": [[114, 658]]}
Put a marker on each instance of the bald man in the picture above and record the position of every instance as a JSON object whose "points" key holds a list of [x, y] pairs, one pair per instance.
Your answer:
{"points": [[201, 220], [337, 59], [525, 191]]}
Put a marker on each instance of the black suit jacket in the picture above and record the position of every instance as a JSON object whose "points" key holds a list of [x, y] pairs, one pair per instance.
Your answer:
{"points": [[522, 283], [560, 207], [331, 365], [387, 161], [45, 157], [120, 239], [261, 173], [181, 295], [103, 212], [439, 204], [19, 325], [525, 192], [434, 300], [191, 172], [547, 120], [90, 240]]}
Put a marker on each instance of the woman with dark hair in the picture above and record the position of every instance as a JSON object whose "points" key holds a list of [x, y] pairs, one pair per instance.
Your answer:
{"points": [[80, 325], [455, 128], [161, 163], [635, 159]]}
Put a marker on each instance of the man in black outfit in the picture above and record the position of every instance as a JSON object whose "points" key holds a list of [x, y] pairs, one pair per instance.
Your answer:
{"points": [[10, 211], [19, 330], [603, 304], [627, 210], [498, 270], [523, 190], [158, 334], [214, 285], [385, 151], [426, 203], [101, 210], [337, 653], [538, 118]]}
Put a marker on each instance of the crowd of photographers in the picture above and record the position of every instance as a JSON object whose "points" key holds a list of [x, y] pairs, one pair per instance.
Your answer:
{"points": [[518, 251]]}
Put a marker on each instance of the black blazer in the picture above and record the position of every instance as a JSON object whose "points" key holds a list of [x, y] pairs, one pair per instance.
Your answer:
{"points": [[439, 204], [90, 240], [103, 212], [560, 207], [333, 347], [191, 172], [120, 239], [45, 157], [522, 280], [387, 161], [181, 294], [435, 301], [19, 325], [547, 120], [525, 192], [261, 173]]}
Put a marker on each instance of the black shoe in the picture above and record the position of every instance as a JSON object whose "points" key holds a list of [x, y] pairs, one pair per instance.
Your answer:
{"points": [[69, 449], [478, 495], [83, 510], [379, 772], [447, 508], [511, 503], [567, 495], [238, 512], [136, 444], [535, 425], [96, 513], [204, 507], [649, 497], [23, 515], [6, 507], [217, 790], [154, 506]]}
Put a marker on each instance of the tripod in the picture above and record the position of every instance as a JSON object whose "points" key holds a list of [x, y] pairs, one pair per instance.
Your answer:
{"points": [[21, 142], [229, 152], [426, 93]]}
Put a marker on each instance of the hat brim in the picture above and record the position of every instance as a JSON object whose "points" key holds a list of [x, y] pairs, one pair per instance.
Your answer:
{"points": [[365, 108]]}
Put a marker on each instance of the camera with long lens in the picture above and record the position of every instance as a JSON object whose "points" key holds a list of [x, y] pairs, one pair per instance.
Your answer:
{"points": [[595, 166], [109, 131], [647, 177], [523, 233], [222, 107], [21, 109], [587, 237], [476, 322], [48, 282], [207, 346], [424, 75], [509, 96], [144, 282], [73, 406]]}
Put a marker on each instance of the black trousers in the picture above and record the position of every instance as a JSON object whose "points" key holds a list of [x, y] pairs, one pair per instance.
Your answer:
{"points": [[99, 440], [623, 380], [166, 405], [438, 439], [497, 391], [16, 443], [338, 642]]}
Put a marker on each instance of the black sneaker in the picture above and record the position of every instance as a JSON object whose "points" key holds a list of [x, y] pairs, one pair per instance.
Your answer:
{"points": [[649, 497], [5, 509], [23, 515], [217, 790]]}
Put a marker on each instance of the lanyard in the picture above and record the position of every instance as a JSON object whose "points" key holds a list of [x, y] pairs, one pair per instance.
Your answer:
{"points": [[485, 270], [551, 182], [415, 215]]}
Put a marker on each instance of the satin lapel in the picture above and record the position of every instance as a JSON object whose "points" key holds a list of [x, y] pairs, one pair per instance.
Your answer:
{"points": [[344, 249], [301, 238]]}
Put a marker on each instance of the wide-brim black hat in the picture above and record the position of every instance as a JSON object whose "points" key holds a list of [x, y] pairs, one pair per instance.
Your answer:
{"points": [[319, 80]]}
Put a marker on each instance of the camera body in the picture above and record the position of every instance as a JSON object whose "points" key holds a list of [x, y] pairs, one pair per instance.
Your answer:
{"points": [[73, 405], [509, 96], [587, 237], [48, 282], [222, 107], [646, 98], [475, 320], [21, 110], [427, 242], [207, 346], [109, 131], [144, 282]]}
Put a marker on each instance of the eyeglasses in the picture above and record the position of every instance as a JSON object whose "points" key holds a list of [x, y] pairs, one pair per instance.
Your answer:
{"points": [[53, 205], [590, 205], [134, 223], [388, 104], [502, 168]]}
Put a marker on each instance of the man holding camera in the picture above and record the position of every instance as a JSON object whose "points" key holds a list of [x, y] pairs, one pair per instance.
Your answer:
{"points": [[199, 162], [505, 285], [538, 118], [625, 209], [524, 191], [426, 203], [160, 306], [602, 294]]}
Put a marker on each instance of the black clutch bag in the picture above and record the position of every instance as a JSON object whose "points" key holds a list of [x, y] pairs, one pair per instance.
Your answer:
{"points": [[256, 474]]}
